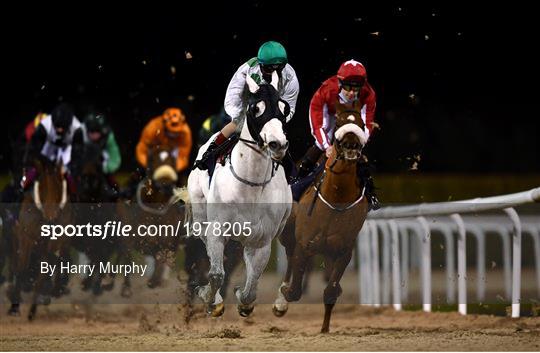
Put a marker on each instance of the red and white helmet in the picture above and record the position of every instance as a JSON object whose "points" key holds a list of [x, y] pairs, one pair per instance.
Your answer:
{"points": [[352, 72]]}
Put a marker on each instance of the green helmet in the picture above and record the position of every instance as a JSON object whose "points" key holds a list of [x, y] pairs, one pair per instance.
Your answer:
{"points": [[97, 123], [272, 53]]}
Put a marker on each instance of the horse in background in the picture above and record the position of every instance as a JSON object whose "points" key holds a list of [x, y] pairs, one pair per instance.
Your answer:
{"points": [[95, 207], [47, 203], [157, 201], [336, 201]]}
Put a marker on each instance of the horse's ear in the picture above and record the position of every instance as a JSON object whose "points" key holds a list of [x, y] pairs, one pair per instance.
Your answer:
{"points": [[275, 80]]}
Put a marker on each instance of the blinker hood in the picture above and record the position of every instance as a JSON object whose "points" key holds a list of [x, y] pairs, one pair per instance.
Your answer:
{"points": [[270, 96]]}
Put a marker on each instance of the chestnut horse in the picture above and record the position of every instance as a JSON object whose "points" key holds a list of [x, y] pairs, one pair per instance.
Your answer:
{"points": [[47, 203], [328, 217]]}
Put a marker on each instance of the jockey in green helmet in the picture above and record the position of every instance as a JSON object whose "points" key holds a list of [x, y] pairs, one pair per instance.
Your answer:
{"points": [[271, 57]]}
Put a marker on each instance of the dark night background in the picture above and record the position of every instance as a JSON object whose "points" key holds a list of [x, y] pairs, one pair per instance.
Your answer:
{"points": [[457, 85]]}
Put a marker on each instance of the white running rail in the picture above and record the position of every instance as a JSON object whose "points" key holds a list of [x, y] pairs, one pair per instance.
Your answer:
{"points": [[397, 223]]}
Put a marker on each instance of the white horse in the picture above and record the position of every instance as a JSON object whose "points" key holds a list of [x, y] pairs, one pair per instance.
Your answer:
{"points": [[250, 191]]}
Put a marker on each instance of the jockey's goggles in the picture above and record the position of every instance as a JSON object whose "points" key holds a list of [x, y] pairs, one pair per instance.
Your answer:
{"points": [[351, 86], [269, 68]]}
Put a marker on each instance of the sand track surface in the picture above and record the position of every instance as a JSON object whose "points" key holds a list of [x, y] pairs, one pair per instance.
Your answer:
{"points": [[162, 327], [81, 322]]}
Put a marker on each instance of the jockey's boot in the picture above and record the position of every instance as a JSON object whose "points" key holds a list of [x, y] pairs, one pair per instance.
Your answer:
{"points": [[366, 179], [209, 158], [308, 162], [112, 189], [305, 167], [289, 167]]}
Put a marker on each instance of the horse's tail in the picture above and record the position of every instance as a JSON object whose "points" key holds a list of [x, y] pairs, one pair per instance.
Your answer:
{"points": [[182, 194]]}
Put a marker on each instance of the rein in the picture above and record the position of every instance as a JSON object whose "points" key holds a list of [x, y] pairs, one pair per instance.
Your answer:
{"points": [[319, 195]]}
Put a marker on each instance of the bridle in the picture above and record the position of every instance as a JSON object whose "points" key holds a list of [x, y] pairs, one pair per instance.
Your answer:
{"points": [[318, 194]]}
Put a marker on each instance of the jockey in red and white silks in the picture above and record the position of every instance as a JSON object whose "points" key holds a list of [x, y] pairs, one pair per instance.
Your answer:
{"points": [[323, 104], [348, 87]]}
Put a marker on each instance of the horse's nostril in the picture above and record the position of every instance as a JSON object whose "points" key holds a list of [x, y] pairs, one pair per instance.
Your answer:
{"points": [[273, 145], [286, 145]]}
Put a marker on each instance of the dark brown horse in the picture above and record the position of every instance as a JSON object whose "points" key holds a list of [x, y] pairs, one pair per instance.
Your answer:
{"points": [[156, 202], [95, 207], [328, 217], [46, 204]]}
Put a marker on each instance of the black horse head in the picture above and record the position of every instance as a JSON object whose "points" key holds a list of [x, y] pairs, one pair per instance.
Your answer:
{"points": [[264, 104]]}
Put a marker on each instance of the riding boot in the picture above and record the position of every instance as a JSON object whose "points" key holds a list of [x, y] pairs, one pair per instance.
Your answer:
{"points": [[308, 162], [220, 146], [208, 159], [366, 179], [289, 167]]}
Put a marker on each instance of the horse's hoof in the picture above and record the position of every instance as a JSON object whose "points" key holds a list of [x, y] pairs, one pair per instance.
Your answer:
{"points": [[277, 312], [153, 284], [217, 310], [108, 286], [32, 313], [126, 292], [245, 310], [14, 311]]}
